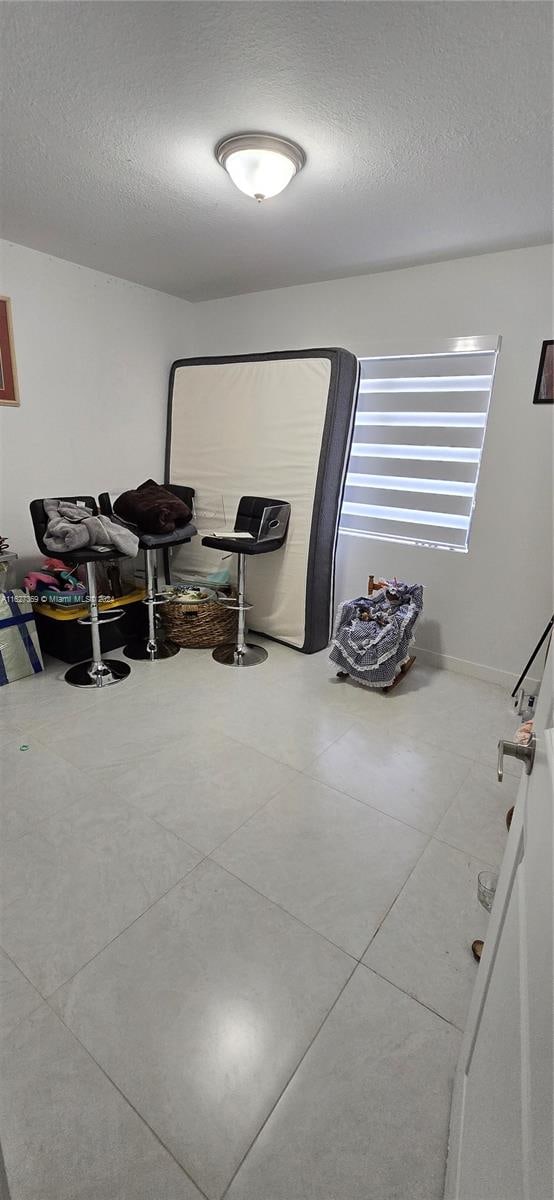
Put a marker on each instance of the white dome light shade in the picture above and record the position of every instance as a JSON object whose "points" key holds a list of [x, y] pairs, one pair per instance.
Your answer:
{"points": [[260, 165], [260, 173]]}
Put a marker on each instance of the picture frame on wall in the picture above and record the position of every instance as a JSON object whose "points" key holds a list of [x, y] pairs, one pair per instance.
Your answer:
{"points": [[9, 393], [544, 387]]}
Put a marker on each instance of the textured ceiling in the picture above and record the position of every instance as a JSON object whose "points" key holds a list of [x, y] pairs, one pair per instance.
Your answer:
{"points": [[427, 126]]}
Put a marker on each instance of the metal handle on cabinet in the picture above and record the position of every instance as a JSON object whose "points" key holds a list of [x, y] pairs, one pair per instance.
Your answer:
{"points": [[525, 754]]}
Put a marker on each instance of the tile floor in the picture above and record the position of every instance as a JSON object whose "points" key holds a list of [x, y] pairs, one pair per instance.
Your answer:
{"points": [[236, 927]]}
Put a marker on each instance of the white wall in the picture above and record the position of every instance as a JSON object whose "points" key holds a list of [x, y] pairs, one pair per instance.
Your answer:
{"points": [[485, 609], [93, 357]]}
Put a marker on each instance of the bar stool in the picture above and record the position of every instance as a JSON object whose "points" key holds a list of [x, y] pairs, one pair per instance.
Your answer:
{"points": [[154, 647], [95, 672], [267, 523]]}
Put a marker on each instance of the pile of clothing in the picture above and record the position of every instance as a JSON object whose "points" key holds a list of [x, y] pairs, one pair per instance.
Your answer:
{"points": [[74, 527], [55, 583], [153, 509], [373, 634], [150, 508]]}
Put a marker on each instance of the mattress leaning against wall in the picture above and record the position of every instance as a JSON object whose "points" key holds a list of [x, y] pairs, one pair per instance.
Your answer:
{"points": [[279, 425]]}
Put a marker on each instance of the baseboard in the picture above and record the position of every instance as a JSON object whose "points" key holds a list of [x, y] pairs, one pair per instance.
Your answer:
{"points": [[446, 662]]}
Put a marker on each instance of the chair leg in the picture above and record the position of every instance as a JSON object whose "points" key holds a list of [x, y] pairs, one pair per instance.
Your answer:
{"points": [[96, 672], [154, 647], [242, 653]]}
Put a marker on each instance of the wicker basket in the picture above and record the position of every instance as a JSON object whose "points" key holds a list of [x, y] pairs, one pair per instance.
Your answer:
{"points": [[200, 625]]}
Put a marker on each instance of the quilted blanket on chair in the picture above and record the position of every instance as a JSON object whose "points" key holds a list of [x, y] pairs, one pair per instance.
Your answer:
{"points": [[373, 634]]}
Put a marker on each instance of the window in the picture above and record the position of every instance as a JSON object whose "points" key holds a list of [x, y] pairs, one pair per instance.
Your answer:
{"points": [[418, 438]]}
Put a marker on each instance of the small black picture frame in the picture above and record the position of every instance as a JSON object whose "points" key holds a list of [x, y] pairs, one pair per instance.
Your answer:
{"points": [[544, 387]]}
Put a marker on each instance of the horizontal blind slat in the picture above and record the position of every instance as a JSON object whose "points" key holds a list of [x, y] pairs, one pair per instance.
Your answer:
{"points": [[450, 496], [425, 477], [408, 500], [464, 454], [416, 401], [418, 366], [422, 435], [432, 420], [381, 512], [453, 539], [427, 383]]}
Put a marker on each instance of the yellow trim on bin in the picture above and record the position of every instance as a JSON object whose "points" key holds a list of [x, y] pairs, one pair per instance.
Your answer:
{"points": [[74, 611]]}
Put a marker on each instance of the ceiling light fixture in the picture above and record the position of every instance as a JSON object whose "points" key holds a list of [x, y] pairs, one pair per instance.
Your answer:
{"points": [[260, 164]]}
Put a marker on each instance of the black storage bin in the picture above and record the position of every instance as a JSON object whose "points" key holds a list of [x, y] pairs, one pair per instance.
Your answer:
{"points": [[69, 641]]}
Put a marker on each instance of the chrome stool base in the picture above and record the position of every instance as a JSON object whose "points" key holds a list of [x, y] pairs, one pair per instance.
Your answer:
{"points": [[96, 675], [248, 655], [140, 651], [240, 653]]}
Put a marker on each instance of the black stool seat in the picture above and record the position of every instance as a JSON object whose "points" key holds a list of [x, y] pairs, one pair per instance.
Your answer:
{"points": [[242, 545], [159, 541]]}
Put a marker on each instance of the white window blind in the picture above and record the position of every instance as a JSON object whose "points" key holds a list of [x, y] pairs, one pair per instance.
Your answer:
{"points": [[418, 437]]}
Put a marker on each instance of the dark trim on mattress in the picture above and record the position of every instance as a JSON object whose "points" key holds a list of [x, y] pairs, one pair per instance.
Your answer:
{"points": [[330, 482]]}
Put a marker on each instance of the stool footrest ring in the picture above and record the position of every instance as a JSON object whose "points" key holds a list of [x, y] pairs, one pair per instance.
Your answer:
{"points": [[157, 598], [234, 604], [104, 618]]}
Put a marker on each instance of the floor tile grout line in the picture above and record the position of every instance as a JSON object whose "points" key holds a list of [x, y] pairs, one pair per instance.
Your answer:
{"points": [[418, 740], [432, 838], [398, 894], [411, 739], [117, 935], [411, 996], [56, 748], [171, 743], [270, 758], [281, 908], [428, 745], [120, 763], [242, 746], [400, 820], [41, 998], [468, 853], [14, 964], [300, 770], [166, 829], [429, 838], [250, 817], [35, 827], [207, 853], [300, 773], [127, 1101], [81, 837], [289, 1081]]}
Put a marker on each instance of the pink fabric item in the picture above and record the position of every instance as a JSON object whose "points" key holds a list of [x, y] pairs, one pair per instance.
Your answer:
{"points": [[34, 577], [55, 564]]}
